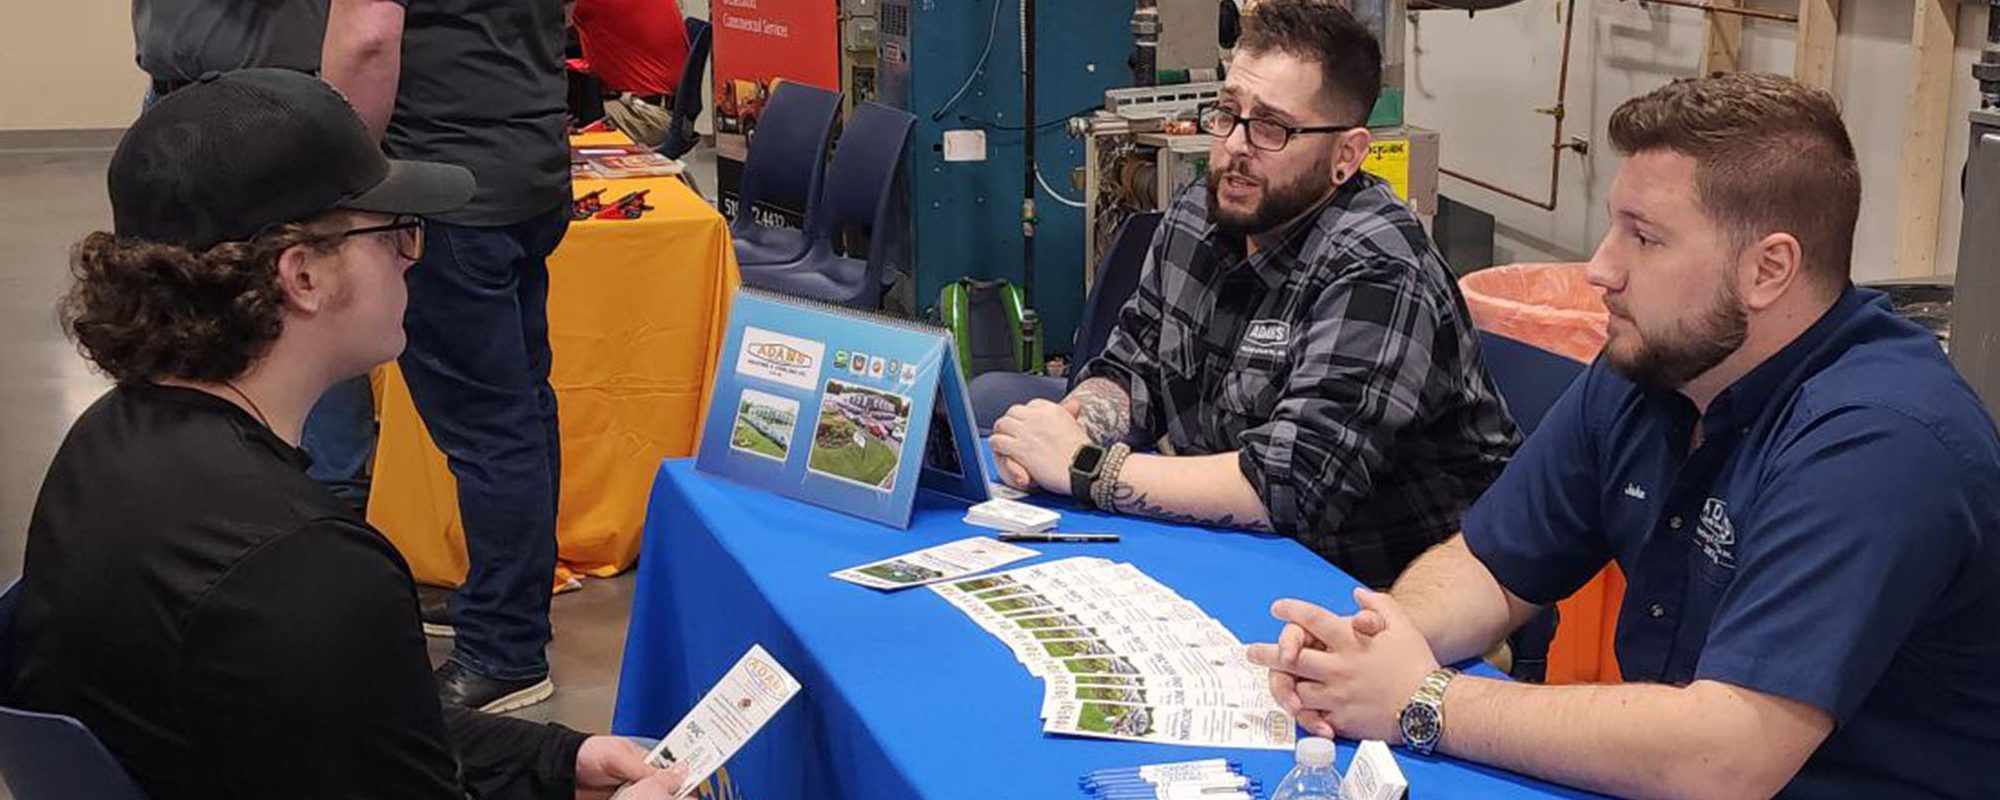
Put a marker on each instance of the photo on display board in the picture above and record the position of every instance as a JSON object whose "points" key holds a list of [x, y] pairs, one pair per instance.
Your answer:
{"points": [[859, 438], [764, 425]]}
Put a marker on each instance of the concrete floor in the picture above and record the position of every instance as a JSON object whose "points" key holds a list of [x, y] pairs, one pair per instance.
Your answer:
{"points": [[53, 198]]}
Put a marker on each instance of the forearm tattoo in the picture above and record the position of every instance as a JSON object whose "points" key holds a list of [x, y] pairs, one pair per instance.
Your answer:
{"points": [[1126, 499], [1106, 411]]}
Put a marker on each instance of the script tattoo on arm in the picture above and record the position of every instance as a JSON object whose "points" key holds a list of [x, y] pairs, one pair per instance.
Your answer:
{"points": [[1127, 499], [1105, 409]]}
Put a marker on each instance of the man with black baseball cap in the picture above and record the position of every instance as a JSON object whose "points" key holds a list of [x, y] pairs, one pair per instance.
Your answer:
{"points": [[225, 625]]}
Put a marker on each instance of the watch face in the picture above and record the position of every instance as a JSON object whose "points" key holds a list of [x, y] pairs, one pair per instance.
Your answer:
{"points": [[1087, 459], [1420, 725]]}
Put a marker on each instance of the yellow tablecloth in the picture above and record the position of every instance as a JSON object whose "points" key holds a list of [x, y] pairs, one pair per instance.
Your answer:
{"points": [[636, 312]]}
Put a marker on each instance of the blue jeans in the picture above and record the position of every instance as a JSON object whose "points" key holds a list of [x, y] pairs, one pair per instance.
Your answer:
{"points": [[340, 437], [477, 364]]}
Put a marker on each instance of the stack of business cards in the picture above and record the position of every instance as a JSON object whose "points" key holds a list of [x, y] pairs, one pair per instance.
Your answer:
{"points": [[1122, 656], [1011, 516]]}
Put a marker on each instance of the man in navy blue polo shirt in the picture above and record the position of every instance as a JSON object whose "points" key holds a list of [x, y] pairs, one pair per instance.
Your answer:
{"points": [[1799, 488]]}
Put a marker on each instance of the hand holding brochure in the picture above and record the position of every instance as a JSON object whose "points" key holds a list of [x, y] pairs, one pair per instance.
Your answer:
{"points": [[941, 563], [733, 711]]}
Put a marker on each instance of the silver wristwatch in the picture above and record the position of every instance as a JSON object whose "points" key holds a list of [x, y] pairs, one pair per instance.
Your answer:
{"points": [[1422, 719]]}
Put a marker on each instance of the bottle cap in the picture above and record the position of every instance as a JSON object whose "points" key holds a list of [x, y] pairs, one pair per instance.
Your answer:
{"points": [[1315, 752]]}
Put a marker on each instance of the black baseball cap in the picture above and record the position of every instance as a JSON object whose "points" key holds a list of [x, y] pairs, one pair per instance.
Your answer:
{"points": [[233, 155]]}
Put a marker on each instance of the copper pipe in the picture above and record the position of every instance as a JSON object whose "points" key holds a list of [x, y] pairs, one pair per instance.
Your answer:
{"points": [[1556, 145], [1546, 205], [1715, 9]]}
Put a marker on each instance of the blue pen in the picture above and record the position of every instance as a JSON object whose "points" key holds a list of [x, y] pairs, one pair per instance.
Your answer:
{"points": [[1204, 766], [1135, 781], [1220, 784], [1220, 777], [1219, 791]]}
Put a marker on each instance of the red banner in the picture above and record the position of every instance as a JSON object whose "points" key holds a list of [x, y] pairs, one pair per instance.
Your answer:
{"points": [[757, 43]]}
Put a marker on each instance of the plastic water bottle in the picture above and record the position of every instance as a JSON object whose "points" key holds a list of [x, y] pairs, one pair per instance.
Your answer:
{"points": [[1314, 777]]}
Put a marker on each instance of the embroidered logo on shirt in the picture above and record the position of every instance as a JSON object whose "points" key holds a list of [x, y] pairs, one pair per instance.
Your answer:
{"points": [[1267, 337], [1717, 535], [1635, 491]]}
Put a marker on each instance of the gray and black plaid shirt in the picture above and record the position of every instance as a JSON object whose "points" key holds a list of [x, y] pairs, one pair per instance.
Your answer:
{"points": [[1341, 363]]}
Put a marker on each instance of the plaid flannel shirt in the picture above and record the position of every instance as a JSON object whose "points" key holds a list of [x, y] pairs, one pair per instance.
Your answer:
{"points": [[1340, 363]]}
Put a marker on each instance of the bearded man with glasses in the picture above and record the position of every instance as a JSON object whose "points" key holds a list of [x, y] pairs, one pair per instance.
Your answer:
{"points": [[1297, 352]]}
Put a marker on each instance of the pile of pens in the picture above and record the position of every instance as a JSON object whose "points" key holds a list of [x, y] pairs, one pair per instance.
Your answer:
{"points": [[1208, 779]]}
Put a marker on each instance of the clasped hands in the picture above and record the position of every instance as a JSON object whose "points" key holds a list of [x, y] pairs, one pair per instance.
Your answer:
{"points": [[1346, 675], [1034, 444]]}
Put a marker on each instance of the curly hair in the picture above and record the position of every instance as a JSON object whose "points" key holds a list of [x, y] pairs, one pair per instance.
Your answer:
{"points": [[143, 311]]}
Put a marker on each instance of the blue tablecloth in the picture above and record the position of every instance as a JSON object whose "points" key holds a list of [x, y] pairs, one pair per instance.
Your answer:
{"points": [[904, 696]]}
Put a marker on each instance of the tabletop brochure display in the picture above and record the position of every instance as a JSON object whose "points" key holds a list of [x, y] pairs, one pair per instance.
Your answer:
{"points": [[841, 408]]}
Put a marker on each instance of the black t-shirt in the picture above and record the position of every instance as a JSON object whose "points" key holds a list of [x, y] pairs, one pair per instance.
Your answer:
{"points": [[180, 40], [483, 87], [229, 629]]}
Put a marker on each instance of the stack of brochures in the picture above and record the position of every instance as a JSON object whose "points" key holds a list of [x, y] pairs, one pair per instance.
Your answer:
{"points": [[1122, 656]]}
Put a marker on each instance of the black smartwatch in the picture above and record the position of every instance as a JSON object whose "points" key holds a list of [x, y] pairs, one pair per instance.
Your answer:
{"points": [[1083, 473]]}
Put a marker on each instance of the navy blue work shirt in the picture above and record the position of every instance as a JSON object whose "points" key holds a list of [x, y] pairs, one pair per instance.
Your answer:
{"points": [[1834, 539]]}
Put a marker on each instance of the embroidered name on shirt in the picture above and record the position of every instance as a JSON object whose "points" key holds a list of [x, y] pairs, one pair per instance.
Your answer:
{"points": [[1635, 491], [1717, 534], [1267, 337]]}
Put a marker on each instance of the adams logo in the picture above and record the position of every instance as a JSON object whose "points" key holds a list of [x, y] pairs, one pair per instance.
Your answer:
{"points": [[1267, 337], [781, 355], [777, 357]]}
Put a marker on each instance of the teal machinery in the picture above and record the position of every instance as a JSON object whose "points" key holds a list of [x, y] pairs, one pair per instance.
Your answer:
{"points": [[956, 65]]}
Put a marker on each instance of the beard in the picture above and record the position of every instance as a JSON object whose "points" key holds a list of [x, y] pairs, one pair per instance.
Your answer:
{"points": [[1689, 347], [1276, 205]]}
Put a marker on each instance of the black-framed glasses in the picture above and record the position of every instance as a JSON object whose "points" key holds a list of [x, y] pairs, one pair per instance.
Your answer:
{"points": [[1268, 135], [409, 239]]}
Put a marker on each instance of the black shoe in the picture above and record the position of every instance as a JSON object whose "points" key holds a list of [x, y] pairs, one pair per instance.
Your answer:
{"points": [[434, 606], [458, 686]]}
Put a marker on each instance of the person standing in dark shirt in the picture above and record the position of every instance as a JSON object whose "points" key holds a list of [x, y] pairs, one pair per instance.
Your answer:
{"points": [[222, 622], [480, 83], [178, 41]]}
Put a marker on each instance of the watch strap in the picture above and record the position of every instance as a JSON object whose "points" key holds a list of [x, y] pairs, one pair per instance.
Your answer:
{"points": [[1430, 694], [1082, 484]]}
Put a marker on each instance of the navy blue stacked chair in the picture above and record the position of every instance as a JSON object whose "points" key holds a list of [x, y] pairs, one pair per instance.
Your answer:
{"points": [[785, 165], [1530, 380], [1118, 271], [858, 198]]}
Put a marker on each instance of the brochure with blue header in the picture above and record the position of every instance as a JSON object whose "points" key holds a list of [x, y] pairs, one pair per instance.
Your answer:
{"points": [[841, 408]]}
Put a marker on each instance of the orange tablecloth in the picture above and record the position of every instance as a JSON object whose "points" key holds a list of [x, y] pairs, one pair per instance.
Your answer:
{"points": [[636, 312]]}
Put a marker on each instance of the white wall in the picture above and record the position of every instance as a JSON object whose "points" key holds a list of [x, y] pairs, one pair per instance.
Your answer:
{"points": [[1477, 81], [67, 64]]}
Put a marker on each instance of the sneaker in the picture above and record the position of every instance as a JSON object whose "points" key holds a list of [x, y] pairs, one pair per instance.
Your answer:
{"points": [[434, 606], [458, 686]]}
